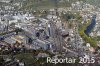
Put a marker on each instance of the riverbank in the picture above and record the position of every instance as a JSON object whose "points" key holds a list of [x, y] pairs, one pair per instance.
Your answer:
{"points": [[87, 38]]}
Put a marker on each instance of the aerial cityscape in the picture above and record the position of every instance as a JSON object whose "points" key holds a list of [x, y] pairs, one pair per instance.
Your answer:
{"points": [[49, 32]]}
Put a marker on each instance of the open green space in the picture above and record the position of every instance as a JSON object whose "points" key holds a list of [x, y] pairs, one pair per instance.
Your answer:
{"points": [[26, 57], [98, 38]]}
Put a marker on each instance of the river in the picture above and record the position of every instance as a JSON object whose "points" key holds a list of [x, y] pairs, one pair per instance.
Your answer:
{"points": [[91, 25]]}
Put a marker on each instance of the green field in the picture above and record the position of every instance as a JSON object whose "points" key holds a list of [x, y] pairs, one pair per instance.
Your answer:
{"points": [[98, 38], [46, 4]]}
